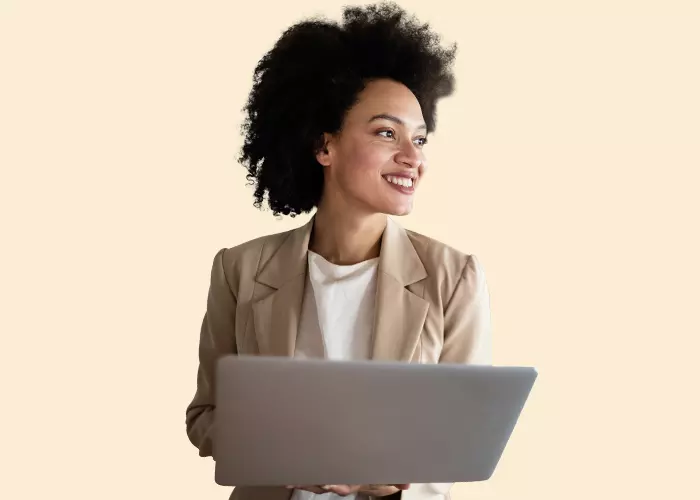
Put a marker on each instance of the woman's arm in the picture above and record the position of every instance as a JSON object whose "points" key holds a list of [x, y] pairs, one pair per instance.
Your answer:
{"points": [[467, 334], [216, 339], [427, 491], [467, 340]]}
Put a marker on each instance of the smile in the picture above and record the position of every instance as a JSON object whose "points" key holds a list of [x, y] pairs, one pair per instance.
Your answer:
{"points": [[402, 184], [399, 181]]}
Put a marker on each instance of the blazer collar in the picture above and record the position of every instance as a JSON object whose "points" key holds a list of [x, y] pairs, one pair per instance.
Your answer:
{"points": [[398, 258], [289, 261], [400, 313]]}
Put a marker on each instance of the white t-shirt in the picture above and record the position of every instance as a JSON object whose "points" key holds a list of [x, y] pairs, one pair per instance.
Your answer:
{"points": [[337, 313], [336, 323]]}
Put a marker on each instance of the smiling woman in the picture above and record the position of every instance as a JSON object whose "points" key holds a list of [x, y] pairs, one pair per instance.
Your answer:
{"points": [[337, 120], [374, 164]]}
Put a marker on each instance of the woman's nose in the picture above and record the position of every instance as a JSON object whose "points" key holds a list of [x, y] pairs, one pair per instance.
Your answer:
{"points": [[410, 155]]}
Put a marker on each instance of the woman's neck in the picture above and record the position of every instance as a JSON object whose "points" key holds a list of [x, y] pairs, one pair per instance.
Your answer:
{"points": [[346, 238]]}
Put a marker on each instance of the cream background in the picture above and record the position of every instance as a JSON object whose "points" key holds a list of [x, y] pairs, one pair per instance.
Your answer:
{"points": [[567, 161]]}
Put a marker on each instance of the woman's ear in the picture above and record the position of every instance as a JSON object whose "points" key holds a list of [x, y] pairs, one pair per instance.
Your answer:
{"points": [[323, 155]]}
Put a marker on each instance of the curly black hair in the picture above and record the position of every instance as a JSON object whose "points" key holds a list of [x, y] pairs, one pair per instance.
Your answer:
{"points": [[304, 86]]}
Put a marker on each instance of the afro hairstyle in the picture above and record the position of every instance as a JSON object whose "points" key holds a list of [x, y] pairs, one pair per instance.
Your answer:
{"points": [[307, 82]]}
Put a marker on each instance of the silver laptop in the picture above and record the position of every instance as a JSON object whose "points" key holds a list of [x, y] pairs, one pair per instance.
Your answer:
{"points": [[283, 421]]}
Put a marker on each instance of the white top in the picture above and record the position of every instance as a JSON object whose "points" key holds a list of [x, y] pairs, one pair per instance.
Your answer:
{"points": [[337, 320], [337, 313]]}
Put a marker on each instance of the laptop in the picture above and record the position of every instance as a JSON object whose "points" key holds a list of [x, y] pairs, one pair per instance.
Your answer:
{"points": [[282, 421]]}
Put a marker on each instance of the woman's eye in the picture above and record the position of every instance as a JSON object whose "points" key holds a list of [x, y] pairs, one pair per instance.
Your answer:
{"points": [[422, 141]]}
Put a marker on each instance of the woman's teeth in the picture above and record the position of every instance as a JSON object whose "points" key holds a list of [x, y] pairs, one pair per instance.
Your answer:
{"points": [[399, 181]]}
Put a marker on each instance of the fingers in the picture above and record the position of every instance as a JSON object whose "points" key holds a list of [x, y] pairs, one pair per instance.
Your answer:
{"points": [[382, 490], [338, 489], [349, 489], [318, 490], [342, 489]]}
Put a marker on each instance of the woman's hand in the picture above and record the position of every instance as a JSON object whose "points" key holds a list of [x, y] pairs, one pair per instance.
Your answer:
{"points": [[375, 490]]}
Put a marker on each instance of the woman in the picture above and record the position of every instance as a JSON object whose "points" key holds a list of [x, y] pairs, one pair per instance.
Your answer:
{"points": [[337, 120]]}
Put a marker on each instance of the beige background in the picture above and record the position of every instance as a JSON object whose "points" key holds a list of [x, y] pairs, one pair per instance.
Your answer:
{"points": [[567, 161]]}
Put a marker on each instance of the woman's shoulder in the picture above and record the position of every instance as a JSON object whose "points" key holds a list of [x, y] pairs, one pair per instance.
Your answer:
{"points": [[240, 262], [251, 252], [440, 259]]}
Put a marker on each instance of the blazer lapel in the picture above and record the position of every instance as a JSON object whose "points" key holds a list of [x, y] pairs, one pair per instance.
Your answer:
{"points": [[279, 293], [400, 314]]}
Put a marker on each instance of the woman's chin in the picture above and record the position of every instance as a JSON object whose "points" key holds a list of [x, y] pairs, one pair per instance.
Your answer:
{"points": [[400, 210], [395, 208]]}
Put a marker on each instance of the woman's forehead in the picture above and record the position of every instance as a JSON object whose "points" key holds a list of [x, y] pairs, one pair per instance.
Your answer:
{"points": [[386, 99]]}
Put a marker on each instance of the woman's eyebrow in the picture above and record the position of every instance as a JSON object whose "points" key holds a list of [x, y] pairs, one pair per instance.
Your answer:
{"points": [[392, 118]]}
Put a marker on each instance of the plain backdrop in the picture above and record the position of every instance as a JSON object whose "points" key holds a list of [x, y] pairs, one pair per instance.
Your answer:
{"points": [[567, 161]]}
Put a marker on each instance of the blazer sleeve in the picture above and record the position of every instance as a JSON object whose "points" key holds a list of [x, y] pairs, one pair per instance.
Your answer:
{"points": [[216, 338], [467, 340], [467, 333]]}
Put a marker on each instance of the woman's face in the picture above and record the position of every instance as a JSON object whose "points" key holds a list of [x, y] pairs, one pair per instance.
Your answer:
{"points": [[375, 164]]}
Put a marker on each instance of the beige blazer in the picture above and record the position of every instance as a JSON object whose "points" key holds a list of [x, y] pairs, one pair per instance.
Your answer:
{"points": [[432, 307]]}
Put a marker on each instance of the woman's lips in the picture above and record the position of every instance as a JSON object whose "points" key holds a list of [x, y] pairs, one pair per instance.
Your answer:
{"points": [[403, 184]]}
